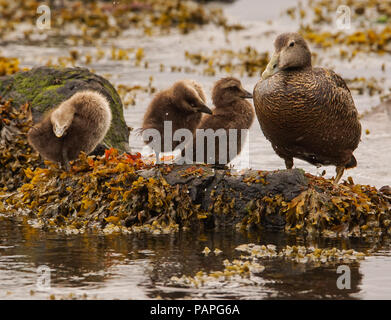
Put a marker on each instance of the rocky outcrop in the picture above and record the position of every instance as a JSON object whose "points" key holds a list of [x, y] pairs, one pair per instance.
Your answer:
{"points": [[44, 88], [120, 192]]}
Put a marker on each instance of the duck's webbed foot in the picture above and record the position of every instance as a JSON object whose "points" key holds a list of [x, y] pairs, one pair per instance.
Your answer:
{"points": [[339, 170], [289, 163]]}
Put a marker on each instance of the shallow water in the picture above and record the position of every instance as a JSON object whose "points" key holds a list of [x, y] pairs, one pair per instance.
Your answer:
{"points": [[139, 266]]}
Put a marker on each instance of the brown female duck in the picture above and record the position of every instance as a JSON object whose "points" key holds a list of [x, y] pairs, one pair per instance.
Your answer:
{"points": [[306, 113]]}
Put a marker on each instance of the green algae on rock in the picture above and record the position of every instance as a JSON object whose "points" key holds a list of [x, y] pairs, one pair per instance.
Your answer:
{"points": [[44, 88]]}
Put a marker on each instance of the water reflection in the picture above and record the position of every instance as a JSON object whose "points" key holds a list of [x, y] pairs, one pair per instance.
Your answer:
{"points": [[140, 266]]}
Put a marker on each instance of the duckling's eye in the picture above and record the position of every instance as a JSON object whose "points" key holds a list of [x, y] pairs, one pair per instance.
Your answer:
{"points": [[292, 44]]}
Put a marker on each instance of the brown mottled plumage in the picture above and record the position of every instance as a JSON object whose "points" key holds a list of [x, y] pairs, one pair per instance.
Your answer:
{"points": [[306, 113], [77, 124], [182, 104], [231, 111]]}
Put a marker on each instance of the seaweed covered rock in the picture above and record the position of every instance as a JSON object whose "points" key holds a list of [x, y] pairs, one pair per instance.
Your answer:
{"points": [[15, 152], [44, 88], [119, 192], [228, 197]]}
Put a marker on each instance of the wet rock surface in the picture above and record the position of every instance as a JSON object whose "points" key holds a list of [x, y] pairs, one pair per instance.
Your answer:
{"points": [[205, 183]]}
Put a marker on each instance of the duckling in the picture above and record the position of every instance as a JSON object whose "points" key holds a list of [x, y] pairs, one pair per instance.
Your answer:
{"points": [[231, 111], [306, 113], [182, 104], [77, 124]]}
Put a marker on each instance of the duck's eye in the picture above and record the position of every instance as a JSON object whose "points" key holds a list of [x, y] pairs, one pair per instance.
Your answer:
{"points": [[292, 44], [233, 89]]}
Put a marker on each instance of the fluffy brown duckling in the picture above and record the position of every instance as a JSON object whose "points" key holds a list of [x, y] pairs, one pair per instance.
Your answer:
{"points": [[182, 104], [231, 111], [305, 112], [77, 124]]}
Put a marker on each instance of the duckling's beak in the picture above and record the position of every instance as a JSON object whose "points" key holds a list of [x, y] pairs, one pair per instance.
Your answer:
{"points": [[272, 67], [204, 109], [58, 132], [246, 95]]}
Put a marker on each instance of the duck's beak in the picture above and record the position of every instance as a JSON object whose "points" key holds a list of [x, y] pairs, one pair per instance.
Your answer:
{"points": [[204, 109], [246, 95], [272, 67], [58, 134]]}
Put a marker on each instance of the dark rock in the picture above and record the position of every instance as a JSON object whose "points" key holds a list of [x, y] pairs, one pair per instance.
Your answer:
{"points": [[386, 191], [44, 88], [287, 183]]}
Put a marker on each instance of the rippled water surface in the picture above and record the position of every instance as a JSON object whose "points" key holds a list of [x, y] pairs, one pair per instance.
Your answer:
{"points": [[140, 266]]}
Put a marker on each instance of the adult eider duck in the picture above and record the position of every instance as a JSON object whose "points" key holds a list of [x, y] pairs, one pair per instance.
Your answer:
{"points": [[182, 104], [306, 113], [77, 124], [232, 111]]}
